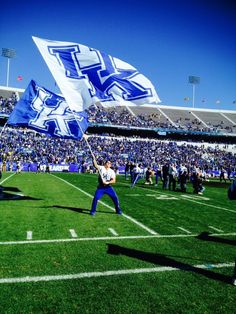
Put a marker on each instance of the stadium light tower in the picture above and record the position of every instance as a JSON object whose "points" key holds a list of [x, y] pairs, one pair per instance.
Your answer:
{"points": [[194, 80], [9, 54]]}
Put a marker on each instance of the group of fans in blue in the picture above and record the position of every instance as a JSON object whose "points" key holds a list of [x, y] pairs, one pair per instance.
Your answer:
{"points": [[172, 177]]}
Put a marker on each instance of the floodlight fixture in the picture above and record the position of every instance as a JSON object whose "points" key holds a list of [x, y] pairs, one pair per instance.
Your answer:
{"points": [[194, 80], [9, 54]]}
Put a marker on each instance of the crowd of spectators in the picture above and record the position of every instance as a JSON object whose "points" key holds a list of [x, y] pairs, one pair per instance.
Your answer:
{"points": [[21, 145], [7, 104], [126, 118], [28, 146], [153, 120]]}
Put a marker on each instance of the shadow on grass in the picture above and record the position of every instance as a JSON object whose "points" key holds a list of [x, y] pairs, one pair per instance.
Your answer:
{"points": [[4, 196], [10, 188], [206, 236], [80, 210], [163, 260]]}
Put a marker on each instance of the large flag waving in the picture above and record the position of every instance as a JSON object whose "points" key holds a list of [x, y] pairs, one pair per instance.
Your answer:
{"points": [[46, 112], [86, 76]]}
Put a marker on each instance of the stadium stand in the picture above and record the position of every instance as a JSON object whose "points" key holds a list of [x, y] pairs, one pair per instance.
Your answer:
{"points": [[149, 135], [8, 99], [164, 117], [231, 116], [7, 92], [151, 116], [217, 121]]}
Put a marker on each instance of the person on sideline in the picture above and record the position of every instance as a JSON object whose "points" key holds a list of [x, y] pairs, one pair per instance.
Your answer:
{"points": [[234, 275], [137, 174], [106, 177]]}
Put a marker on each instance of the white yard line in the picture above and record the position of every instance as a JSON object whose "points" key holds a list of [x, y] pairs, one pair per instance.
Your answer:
{"points": [[7, 178], [104, 204], [187, 199], [113, 231], [29, 235], [112, 238], [110, 273], [139, 224], [209, 205], [185, 230], [216, 229], [73, 233]]}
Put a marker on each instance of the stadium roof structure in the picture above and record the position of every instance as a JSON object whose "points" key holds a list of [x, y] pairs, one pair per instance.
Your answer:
{"points": [[6, 92], [186, 108]]}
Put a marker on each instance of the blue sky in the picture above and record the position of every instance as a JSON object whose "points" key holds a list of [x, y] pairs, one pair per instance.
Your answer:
{"points": [[166, 40]]}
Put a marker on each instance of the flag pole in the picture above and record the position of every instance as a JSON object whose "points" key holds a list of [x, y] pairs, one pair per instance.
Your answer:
{"points": [[3, 129], [86, 140], [89, 146], [193, 95], [91, 152]]}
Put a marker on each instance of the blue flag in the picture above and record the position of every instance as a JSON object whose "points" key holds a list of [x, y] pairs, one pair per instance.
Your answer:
{"points": [[46, 112]]}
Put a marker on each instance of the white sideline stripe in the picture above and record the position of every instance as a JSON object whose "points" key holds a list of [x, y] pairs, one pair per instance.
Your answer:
{"points": [[216, 229], [29, 235], [226, 209], [185, 230], [104, 204], [203, 198], [111, 238], [7, 178], [138, 223], [109, 273], [73, 233], [113, 231]]}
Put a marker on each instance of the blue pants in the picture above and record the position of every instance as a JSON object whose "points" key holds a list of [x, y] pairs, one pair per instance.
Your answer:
{"points": [[100, 192], [157, 177], [136, 178]]}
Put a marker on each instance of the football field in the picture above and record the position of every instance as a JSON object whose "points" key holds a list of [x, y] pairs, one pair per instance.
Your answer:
{"points": [[168, 253]]}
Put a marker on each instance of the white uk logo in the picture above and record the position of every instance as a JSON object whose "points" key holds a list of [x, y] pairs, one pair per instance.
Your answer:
{"points": [[51, 112]]}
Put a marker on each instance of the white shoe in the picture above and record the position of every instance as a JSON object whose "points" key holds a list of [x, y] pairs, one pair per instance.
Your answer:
{"points": [[234, 281]]}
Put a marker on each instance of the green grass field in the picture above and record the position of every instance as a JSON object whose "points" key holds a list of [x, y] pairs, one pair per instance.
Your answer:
{"points": [[168, 253]]}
